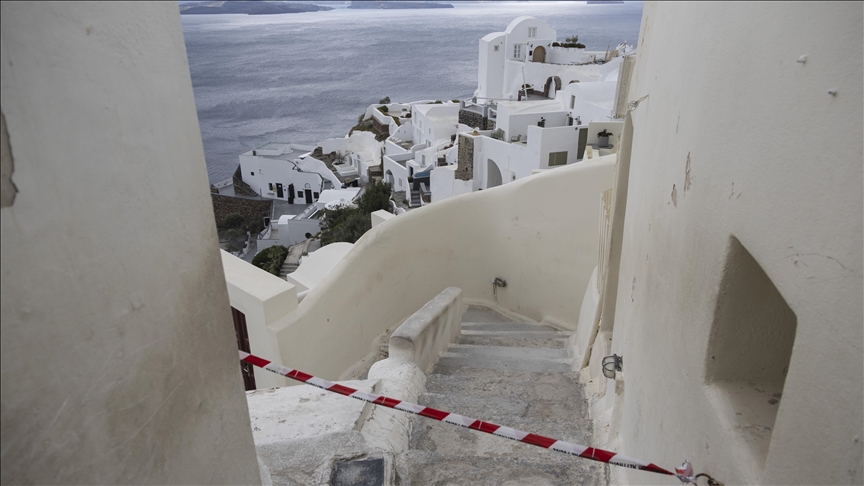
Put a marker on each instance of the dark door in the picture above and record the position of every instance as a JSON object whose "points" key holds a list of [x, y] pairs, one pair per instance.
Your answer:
{"points": [[243, 345], [279, 192], [308, 196], [290, 193], [583, 141]]}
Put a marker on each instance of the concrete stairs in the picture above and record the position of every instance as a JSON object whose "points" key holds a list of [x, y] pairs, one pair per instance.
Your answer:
{"points": [[515, 374], [415, 198], [288, 268]]}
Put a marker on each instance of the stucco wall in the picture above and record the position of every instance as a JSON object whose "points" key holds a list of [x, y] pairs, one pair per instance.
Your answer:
{"points": [[546, 253], [791, 195], [119, 362]]}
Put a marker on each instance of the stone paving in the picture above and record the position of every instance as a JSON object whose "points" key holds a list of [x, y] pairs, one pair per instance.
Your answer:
{"points": [[515, 374]]}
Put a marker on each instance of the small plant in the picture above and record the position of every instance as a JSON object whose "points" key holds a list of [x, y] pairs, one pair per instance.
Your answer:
{"points": [[233, 220], [408, 115], [438, 102], [555, 44], [604, 133], [405, 202], [384, 101], [455, 101], [383, 109], [498, 134], [573, 39], [360, 118], [410, 179]]}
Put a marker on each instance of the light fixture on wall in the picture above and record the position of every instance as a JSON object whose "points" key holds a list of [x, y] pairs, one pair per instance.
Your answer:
{"points": [[611, 364]]}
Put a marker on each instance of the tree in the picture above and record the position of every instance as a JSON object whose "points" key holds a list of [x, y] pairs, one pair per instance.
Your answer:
{"points": [[233, 220], [573, 39], [384, 100], [271, 259]]}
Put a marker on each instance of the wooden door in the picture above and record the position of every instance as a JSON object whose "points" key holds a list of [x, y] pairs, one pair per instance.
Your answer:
{"points": [[242, 334]]}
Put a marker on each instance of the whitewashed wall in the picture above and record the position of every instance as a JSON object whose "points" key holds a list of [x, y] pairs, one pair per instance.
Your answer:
{"points": [[119, 361], [731, 145]]}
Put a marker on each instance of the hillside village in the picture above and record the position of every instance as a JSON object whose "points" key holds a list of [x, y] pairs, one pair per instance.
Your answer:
{"points": [[679, 303], [540, 104]]}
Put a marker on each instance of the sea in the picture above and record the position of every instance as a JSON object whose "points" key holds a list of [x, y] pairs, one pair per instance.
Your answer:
{"points": [[306, 77]]}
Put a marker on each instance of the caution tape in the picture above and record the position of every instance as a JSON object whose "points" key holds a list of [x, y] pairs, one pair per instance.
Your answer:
{"points": [[684, 473]]}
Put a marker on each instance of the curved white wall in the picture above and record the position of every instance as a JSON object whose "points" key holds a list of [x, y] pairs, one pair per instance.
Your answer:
{"points": [[539, 234], [792, 196]]}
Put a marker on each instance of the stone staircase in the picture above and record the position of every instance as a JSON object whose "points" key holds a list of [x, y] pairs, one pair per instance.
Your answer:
{"points": [[512, 373], [415, 198]]}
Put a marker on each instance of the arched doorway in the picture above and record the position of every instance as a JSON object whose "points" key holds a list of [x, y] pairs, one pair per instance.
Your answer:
{"points": [[493, 174], [539, 54], [553, 84]]}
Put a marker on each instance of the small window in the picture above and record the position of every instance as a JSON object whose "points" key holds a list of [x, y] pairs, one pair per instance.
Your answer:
{"points": [[532, 32], [252, 173], [400, 182], [496, 48], [557, 158], [572, 102], [430, 131], [271, 185], [315, 195], [517, 51]]}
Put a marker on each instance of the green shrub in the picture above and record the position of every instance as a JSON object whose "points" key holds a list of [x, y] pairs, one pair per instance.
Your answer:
{"points": [[384, 100], [234, 234], [573, 39], [498, 134], [349, 224], [271, 259], [233, 220], [383, 109], [455, 101]]}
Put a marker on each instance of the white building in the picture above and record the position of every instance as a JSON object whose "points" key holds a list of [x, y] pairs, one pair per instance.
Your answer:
{"points": [[286, 171], [526, 54], [357, 153]]}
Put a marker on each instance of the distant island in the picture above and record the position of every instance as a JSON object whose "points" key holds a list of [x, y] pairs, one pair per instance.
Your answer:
{"points": [[249, 8], [603, 2], [395, 4]]}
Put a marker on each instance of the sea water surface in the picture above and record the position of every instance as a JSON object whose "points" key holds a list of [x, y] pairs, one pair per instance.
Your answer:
{"points": [[306, 77]]}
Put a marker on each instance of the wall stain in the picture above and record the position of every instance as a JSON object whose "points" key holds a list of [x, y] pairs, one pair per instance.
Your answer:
{"points": [[8, 190], [687, 179], [674, 195]]}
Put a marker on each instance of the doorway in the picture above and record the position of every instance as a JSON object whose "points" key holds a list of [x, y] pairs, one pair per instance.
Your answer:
{"points": [[280, 193], [308, 196], [539, 54], [242, 334]]}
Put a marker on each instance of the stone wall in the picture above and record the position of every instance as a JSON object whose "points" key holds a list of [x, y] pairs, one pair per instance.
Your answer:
{"points": [[249, 208], [465, 169], [472, 119]]}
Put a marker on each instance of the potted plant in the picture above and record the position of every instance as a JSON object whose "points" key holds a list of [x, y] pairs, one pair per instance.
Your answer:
{"points": [[603, 138]]}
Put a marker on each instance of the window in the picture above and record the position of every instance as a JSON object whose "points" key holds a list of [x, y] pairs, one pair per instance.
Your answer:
{"points": [[271, 185], [517, 51], [572, 102], [557, 158], [422, 160], [252, 173], [315, 195], [749, 350], [532, 32], [496, 48]]}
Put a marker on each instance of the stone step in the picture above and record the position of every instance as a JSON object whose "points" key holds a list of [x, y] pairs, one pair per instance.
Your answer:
{"points": [[489, 383], [418, 467], [509, 352], [506, 364], [554, 342], [507, 327]]}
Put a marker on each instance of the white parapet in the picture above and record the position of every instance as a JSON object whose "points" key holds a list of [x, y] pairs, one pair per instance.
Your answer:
{"points": [[380, 216]]}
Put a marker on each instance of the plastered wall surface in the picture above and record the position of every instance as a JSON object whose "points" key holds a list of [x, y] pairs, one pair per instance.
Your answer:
{"points": [[540, 234], [119, 363], [739, 139]]}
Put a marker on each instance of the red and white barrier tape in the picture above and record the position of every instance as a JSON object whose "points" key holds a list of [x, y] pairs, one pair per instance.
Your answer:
{"points": [[684, 473]]}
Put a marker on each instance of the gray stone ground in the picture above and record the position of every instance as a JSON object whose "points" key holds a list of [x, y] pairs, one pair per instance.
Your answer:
{"points": [[513, 374]]}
